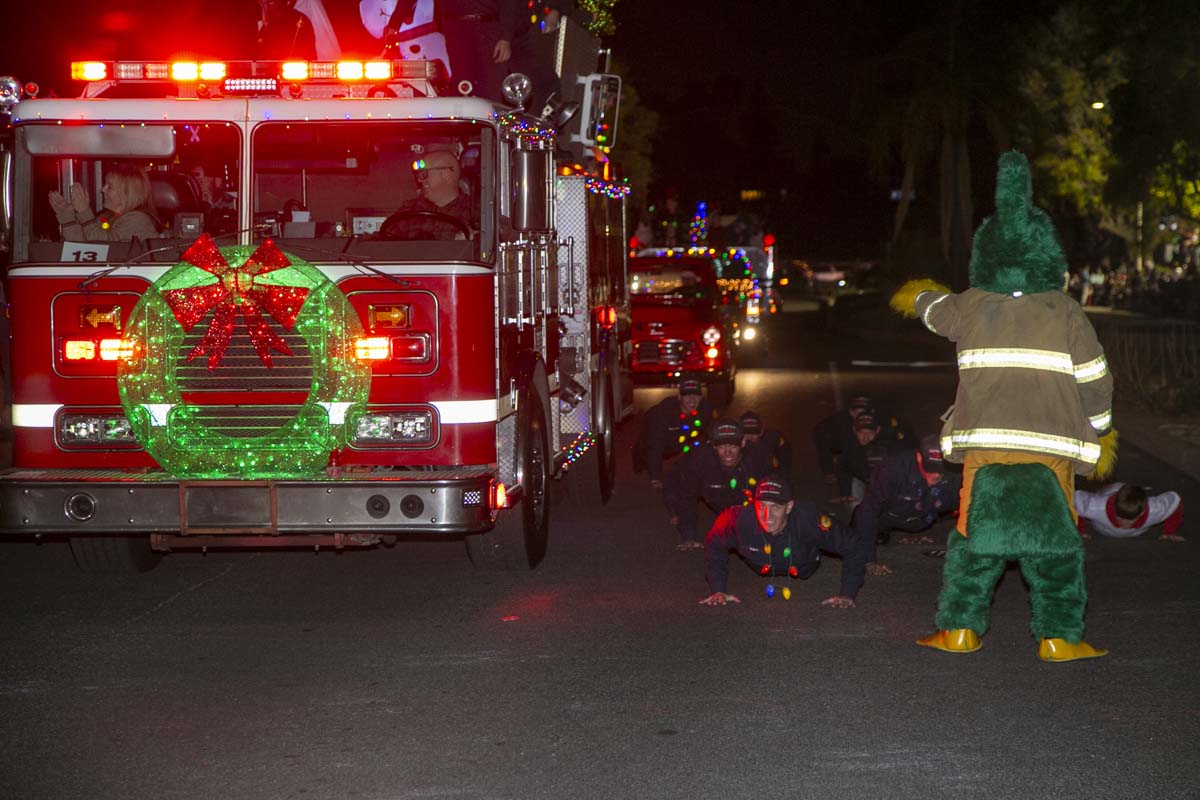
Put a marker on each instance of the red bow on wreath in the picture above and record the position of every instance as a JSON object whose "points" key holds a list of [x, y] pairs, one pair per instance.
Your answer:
{"points": [[236, 291]]}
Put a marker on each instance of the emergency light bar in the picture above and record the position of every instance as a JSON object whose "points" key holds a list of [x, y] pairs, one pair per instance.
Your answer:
{"points": [[244, 77]]}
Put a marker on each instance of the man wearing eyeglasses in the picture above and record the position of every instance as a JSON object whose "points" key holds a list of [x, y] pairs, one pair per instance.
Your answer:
{"points": [[440, 210]]}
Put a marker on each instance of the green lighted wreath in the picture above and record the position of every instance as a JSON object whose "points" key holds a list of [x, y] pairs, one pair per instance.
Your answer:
{"points": [[296, 297]]}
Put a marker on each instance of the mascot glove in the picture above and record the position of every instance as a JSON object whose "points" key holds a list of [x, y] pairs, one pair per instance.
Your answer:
{"points": [[904, 301], [1108, 456]]}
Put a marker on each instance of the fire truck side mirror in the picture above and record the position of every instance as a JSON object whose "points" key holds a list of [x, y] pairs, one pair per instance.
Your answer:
{"points": [[601, 102], [532, 184]]}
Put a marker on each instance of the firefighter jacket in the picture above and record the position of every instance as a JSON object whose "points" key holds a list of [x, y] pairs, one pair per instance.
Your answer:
{"points": [[1032, 375], [699, 476], [795, 551]]}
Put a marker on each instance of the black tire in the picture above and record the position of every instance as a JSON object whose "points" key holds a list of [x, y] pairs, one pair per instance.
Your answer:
{"points": [[114, 555], [590, 480], [520, 537], [720, 393]]}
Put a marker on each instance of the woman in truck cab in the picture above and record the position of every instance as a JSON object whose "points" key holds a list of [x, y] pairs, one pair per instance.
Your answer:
{"points": [[128, 209]]}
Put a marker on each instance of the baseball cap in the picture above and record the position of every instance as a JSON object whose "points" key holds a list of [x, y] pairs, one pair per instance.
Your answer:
{"points": [[931, 454], [751, 423], [690, 386], [860, 402], [726, 431], [774, 488], [866, 420]]}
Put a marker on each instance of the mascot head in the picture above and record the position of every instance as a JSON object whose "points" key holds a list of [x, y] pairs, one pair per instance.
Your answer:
{"points": [[1016, 249]]}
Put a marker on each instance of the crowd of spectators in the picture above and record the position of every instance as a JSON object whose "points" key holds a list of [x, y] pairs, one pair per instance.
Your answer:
{"points": [[1170, 290]]}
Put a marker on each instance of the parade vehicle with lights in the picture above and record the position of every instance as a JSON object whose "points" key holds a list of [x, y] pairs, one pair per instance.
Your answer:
{"points": [[748, 281], [678, 325], [278, 367]]}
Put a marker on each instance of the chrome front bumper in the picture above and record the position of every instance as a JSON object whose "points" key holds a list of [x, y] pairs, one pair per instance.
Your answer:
{"points": [[82, 502]]}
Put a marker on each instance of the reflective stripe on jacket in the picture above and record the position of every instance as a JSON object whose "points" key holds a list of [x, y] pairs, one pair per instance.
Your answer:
{"points": [[1032, 375]]}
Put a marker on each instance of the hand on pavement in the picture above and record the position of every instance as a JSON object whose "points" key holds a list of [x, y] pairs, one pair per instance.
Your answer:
{"points": [[1171, 537], [721, 598], [689, 545], [656, 483], [877, 569], [916, 538], [838, 602]]}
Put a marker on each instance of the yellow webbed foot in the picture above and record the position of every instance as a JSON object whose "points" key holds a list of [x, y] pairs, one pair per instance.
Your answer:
{"points": [[1055, 650], [959, 640]]}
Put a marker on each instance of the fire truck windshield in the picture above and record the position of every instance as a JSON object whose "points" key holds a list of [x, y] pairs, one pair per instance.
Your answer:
{"points": [[111, 191], [402, 191]]}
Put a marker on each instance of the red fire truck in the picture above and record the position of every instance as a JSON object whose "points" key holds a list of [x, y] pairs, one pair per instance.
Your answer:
{"points": [[302, 354]]}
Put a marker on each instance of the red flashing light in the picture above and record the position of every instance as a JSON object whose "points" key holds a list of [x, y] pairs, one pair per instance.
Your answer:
{"points": [[350, 70], [294, 71], [768, 240], [499, 495], [89, 70], [608, 317], [185, 71]]}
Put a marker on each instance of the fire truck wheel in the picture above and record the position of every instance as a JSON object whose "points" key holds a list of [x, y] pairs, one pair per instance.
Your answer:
{"points": [[112, 555], [590, 479], [519, 538]]}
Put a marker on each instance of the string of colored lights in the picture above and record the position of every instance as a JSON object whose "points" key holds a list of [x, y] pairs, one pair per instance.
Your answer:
{"points": [[608, 189], [698, 230], [769, 568], [522, 127], [602, 22], [578, 446]]}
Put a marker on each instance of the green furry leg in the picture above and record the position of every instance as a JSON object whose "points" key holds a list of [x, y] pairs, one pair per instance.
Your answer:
{"points": [[968, 580], [1058, 595]]}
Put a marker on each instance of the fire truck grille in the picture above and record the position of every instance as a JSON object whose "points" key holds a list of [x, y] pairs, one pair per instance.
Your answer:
{"points": [[241, 369], [242, 372], [244, 422], [664, 351]]}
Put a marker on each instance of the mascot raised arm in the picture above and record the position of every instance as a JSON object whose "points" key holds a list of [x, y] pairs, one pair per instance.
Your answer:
{"points": [[1033, 410]]}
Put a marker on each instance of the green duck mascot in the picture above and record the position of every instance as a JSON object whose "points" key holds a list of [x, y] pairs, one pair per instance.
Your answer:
{"points": [[1033, 409]]}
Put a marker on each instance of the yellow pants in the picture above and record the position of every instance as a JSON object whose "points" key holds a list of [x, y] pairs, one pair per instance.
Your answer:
{"points": [[1063, 469]]}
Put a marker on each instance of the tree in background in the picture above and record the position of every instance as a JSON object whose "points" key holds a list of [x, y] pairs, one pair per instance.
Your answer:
{"points": [[1065, 124]]}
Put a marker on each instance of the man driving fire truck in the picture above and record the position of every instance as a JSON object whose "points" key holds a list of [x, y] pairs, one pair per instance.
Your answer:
{"points": [[438, 206]]}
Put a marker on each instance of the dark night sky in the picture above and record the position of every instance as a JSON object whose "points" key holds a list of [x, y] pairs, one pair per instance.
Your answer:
{"points": [[749, 95]]}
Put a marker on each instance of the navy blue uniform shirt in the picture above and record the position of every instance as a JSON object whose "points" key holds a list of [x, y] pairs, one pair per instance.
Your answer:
{"points": [[900, 497], [699, 476], [806, 533]]}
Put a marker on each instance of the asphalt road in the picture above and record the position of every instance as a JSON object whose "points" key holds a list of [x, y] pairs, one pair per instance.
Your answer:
{"points": [[402, 673]]}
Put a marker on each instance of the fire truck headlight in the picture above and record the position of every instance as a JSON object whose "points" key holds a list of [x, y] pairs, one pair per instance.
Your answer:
{"points": [[400, 427], [711, 335], [95, 429], [749, 334]]}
